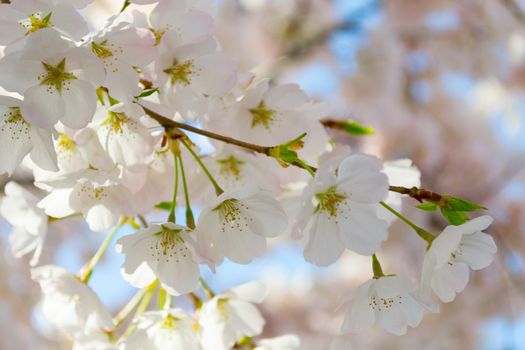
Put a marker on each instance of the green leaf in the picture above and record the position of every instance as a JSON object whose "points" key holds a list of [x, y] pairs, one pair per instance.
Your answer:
{"points": [[148, 92], [454, 217], [428, 206], [164, 206], [458, 204], [354, 128]]}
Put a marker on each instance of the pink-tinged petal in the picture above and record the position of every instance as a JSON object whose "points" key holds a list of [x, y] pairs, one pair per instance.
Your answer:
{"points": [[80, 102], [324, 246], [214, 75], [43, 106]]}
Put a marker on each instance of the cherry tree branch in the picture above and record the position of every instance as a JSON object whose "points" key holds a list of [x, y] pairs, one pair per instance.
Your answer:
{"points": [[419, 194], [168, 122]]}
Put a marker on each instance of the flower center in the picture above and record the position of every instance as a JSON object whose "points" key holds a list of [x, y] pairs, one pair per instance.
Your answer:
{"points": [[230, 166], [169, 245], [56, 77], [116, 121], [101, 50], [35, 22], [232, 216], [454, 256], [330, 201], [262, 115], [180, 72], [384, 304], [169, 321], [15, 123], [158, 34], [66, 144]]}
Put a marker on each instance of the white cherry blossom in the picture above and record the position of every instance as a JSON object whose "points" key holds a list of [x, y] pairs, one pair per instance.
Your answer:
{"points": [[271, 115], [164, 251], [22, 18], [447, 261], [391, 302], [19, 208], [69, 304], [122, 50], [339, 211], [167, 329], [235, 225], [189, 74], [187, 23], [18, 138], [58, 80], [230, 316], [94, 194], [123, 135]]}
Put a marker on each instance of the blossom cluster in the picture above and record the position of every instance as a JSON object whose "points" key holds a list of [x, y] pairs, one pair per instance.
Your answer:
{"points": [[100, 119]]}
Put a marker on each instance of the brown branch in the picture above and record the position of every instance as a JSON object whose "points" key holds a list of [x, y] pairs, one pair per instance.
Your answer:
{"points": [[171, 123], [420, 194]]}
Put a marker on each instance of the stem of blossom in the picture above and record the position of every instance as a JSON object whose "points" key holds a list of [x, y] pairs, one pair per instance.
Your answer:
{"points": [[376, 267], [86, 272], [190, 220], [146, 299], [167, 301], [196, 300], [143, 221], [311, 170], [124, 313], [427, 236], [171, 217], [125, 5], [206, 287], [218, 189]]}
